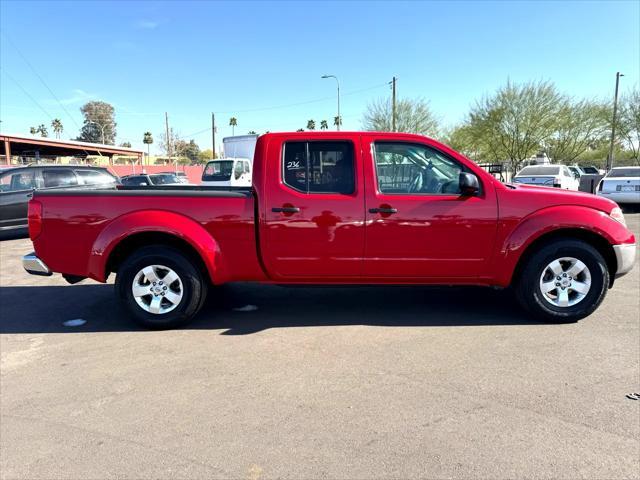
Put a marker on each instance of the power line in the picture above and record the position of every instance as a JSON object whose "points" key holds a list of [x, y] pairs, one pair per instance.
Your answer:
{"points": [[27, 94], [323, 99], [41, 79]]}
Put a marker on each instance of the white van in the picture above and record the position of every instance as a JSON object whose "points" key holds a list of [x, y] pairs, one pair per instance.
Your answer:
{"points": [[227, 172]]}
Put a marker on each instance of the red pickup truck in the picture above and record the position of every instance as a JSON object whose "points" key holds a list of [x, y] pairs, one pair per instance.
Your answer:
{"points": [[337, 208]]}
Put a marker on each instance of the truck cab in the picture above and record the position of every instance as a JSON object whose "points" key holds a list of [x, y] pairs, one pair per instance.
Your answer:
{"points": [[227, 172]]}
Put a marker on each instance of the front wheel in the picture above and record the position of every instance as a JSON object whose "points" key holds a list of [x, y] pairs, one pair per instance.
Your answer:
{"points": [[564, 281], [160, 287]]}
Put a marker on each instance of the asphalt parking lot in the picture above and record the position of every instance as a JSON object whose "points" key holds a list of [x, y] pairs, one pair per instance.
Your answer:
{"points": [[315, 383]]}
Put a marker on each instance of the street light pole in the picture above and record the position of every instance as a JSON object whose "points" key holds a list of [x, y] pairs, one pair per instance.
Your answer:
{"points": [[613, 123], [338, 84], [101, 128]]}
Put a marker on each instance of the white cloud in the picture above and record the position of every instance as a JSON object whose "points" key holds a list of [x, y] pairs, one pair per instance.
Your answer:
{"points": [[147, 24], [77, 96]]}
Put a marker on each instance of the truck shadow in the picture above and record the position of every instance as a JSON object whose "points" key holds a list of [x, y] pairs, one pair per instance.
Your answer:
{"points": [[241, 309]]}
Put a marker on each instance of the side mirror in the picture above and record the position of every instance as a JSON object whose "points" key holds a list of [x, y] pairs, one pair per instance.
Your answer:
{"points": [[469, 184]]}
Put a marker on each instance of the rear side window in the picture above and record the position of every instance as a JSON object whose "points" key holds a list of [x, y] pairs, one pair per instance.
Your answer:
{"points": [[319, 167], [624, 172], [58, 178], [93, 177], [16, 181]]}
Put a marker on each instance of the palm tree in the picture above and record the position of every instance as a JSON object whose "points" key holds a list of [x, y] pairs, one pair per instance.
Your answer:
{"points": [[311, 125], [337, 121], [43, 130], [148, 140], [251, 132], [233, 122], [324, 125], [56, 125], [300, 130]]}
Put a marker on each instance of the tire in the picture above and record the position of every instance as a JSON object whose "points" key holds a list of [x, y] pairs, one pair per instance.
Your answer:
{"points": [[567, 301], [177, 295]]}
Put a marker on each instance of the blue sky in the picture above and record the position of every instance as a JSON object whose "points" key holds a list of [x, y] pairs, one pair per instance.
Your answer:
{"points": [[240, 59]]}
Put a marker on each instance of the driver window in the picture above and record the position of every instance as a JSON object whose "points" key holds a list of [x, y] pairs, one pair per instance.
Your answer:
{"points": [[405, 168]]}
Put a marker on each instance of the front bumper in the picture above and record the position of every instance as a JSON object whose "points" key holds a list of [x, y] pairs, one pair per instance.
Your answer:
{"points": [[33, 265], [625, 257]]}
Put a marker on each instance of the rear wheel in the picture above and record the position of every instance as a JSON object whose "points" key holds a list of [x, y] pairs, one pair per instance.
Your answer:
{"points": [[563, 282], [160, 287]]}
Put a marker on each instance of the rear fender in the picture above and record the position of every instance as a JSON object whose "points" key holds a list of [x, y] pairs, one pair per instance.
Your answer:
{"points": [[552, 220], [162, 221]]}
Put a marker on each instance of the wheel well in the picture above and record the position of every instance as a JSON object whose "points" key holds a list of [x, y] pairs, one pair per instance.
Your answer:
{"points": [[133, 242], [596, 241]]}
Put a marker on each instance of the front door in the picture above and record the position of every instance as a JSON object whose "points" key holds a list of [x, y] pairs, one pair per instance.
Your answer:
{"points": [[418, 225], [313, 224]]}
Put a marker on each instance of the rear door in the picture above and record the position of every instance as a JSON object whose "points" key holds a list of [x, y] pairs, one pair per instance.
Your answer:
{"points": [[312, 219], [16, 188], [418, 223]]}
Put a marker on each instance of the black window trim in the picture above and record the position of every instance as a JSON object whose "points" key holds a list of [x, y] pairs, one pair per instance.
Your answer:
{"points": [[463, 169], [306, 143]]}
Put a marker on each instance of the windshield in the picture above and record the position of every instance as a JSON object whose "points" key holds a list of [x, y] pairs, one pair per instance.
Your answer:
{"points": [[164, 179], [219, 170], [624, 172], [535, 170]]}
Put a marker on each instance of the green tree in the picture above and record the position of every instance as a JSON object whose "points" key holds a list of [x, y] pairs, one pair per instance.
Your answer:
{"points": [[628, 123], [190, 150], [56, 125], [300, 130], [126, 144], [337, 121], [578, 124], [233, 123], [42, 130], [324, 125], [251, 132], [515, 122], [33, 130], [99, 117], [147, 139], [412, 116], [311, 125], [206, 155]]}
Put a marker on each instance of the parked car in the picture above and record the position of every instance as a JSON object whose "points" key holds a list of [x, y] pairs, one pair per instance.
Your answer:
{"points": [[576, 171], [181, 176], [18, 183], [155, 179], [592, 170], [227, 172], [621, 184], [558, 176], [337, 208]]}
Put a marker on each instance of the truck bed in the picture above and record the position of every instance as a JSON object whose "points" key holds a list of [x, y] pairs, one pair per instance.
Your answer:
{"points": [[79, 226]]}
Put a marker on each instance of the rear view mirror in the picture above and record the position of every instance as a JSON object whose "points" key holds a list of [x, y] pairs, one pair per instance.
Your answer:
{"points": [[469, 184]]}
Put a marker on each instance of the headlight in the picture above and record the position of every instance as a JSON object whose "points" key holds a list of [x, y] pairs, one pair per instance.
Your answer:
{"points": [[617, 215]]}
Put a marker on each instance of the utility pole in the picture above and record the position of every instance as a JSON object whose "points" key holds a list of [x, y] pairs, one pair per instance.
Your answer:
{"points": [[613, 123], [166, 122], [213, 134], [393, 104]]}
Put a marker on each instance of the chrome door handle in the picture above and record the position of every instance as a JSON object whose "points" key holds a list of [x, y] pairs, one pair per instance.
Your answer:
{"points": [[285, 209], [383, 210]]}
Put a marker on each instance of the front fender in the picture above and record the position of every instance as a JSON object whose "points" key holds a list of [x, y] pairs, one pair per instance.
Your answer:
{"points": [[550, 220], [162, 221]]}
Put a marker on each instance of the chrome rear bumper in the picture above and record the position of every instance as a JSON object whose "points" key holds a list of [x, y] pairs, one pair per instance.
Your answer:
{"points": [[625, 257], [33, 265]]}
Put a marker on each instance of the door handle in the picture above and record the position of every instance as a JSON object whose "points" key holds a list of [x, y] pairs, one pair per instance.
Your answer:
{"points": [[285, 209], [387, 211]]}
